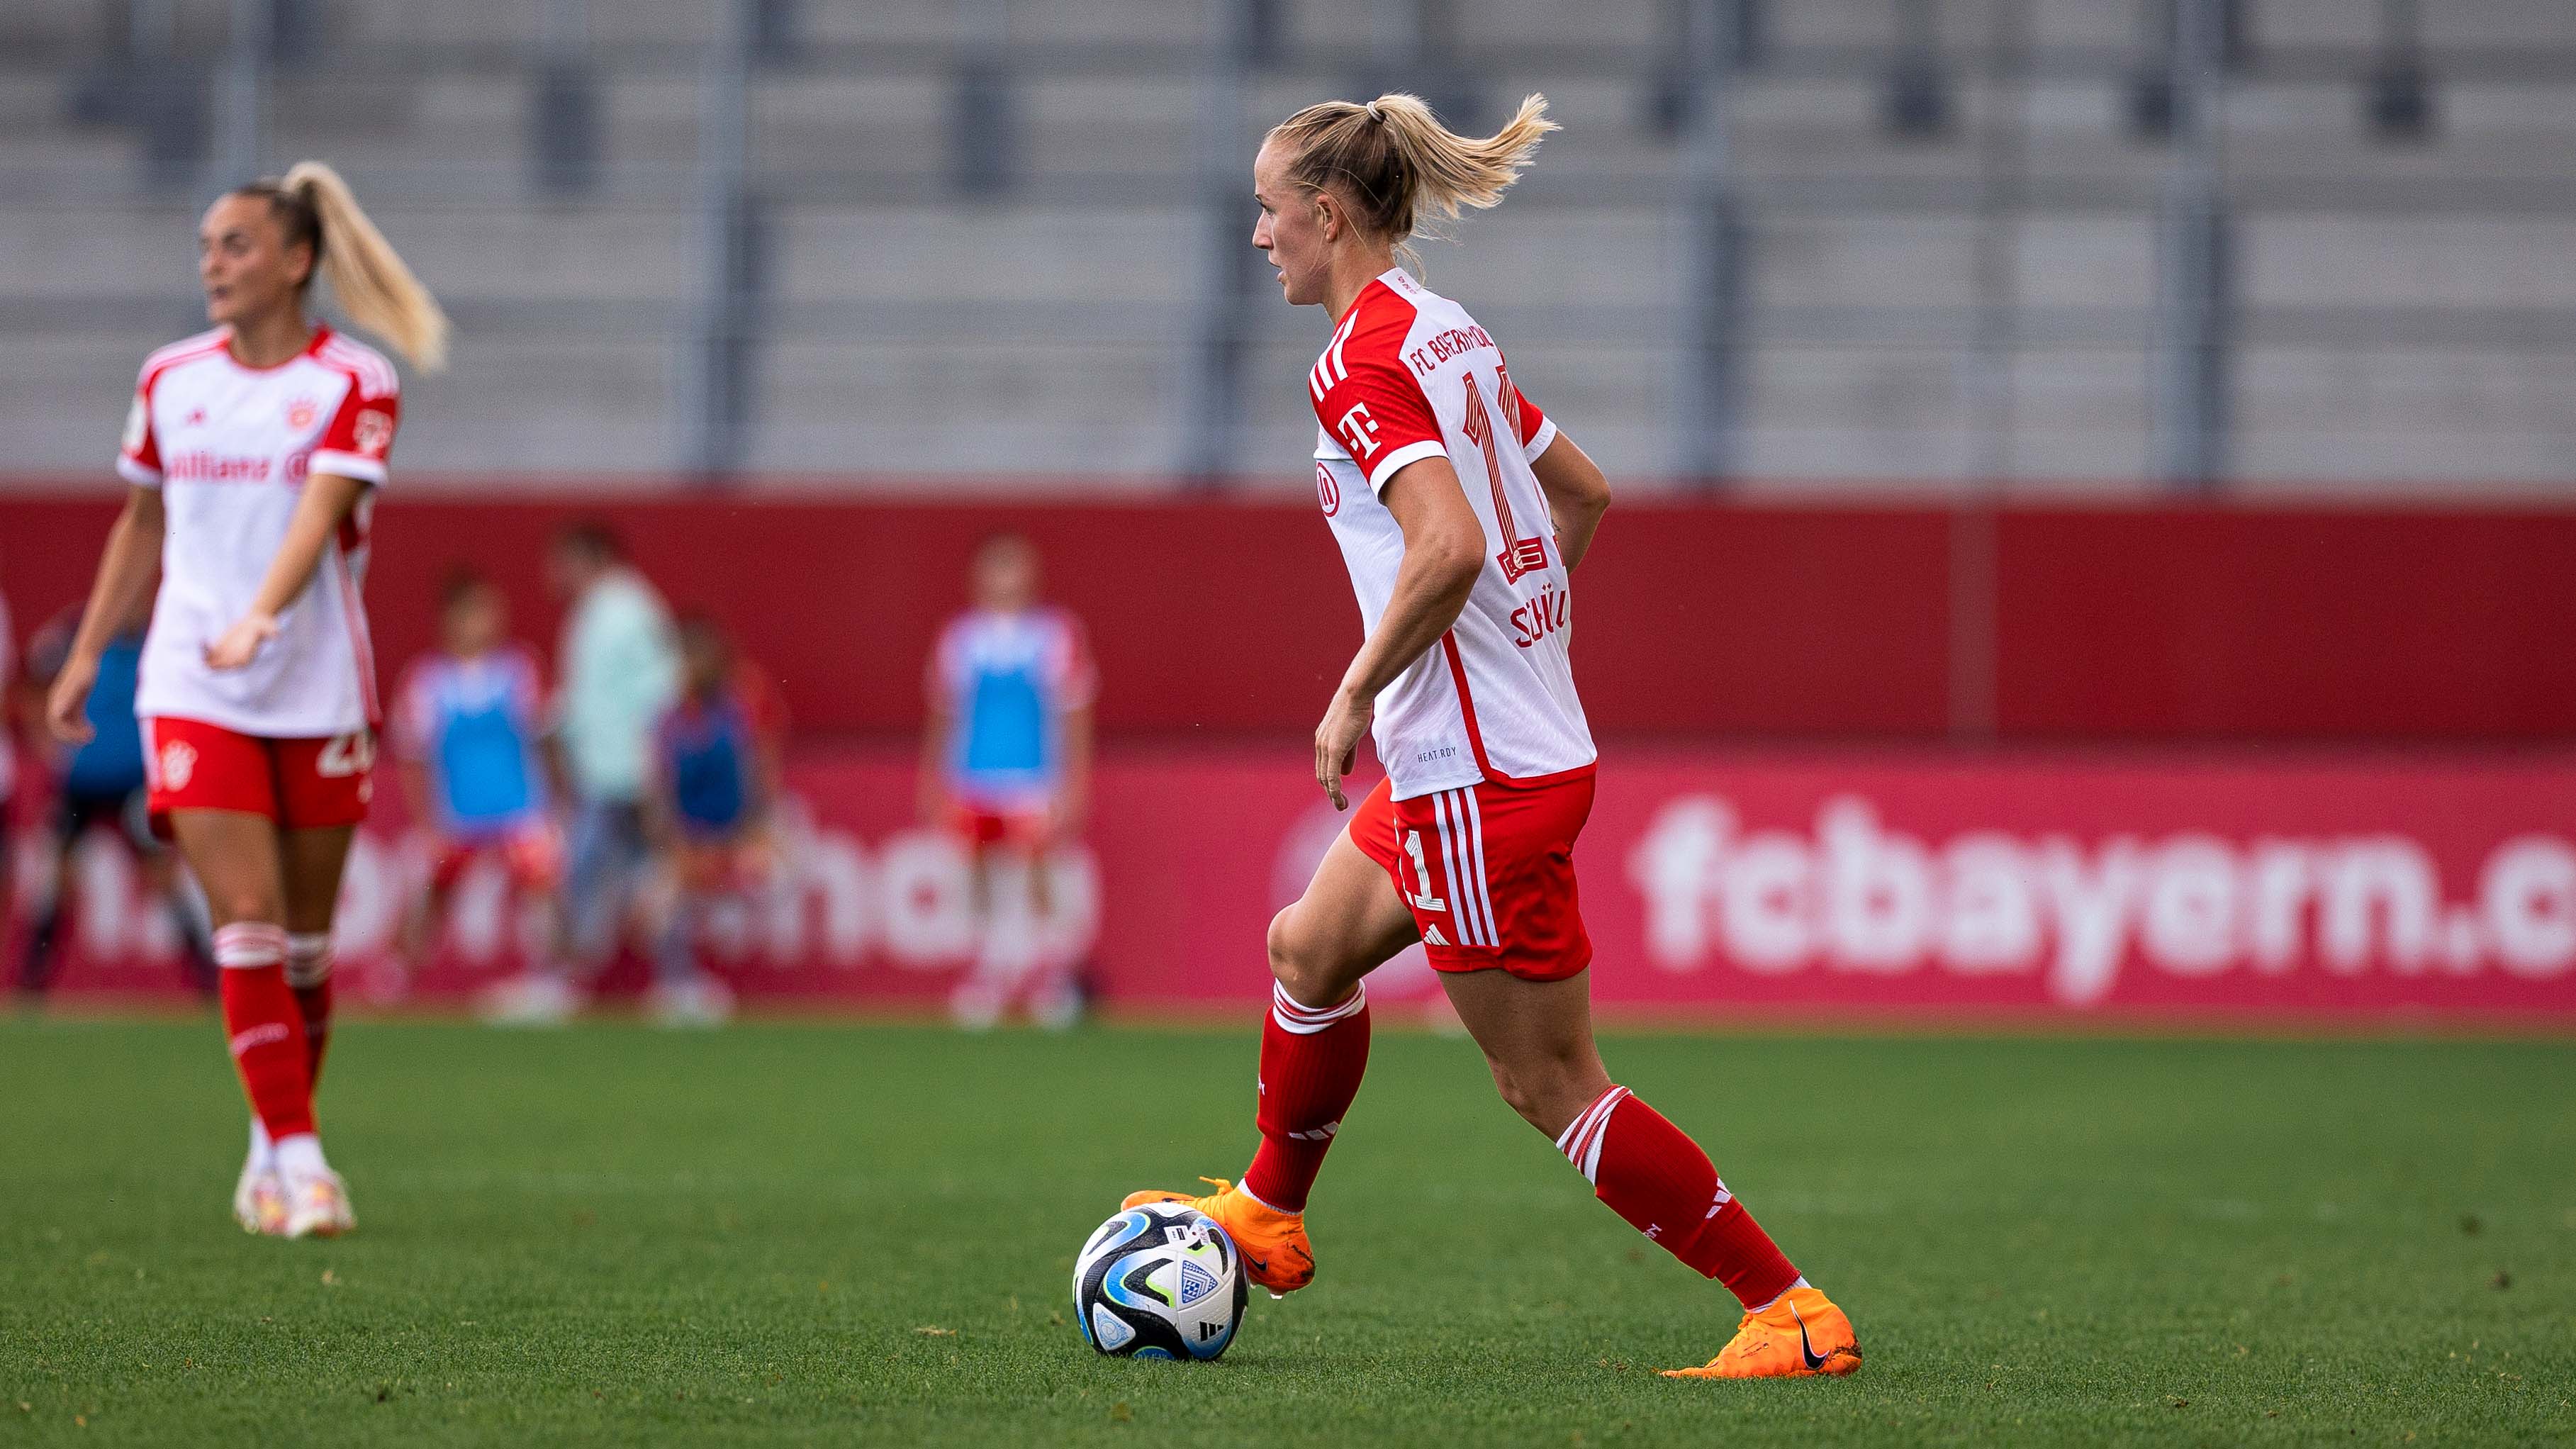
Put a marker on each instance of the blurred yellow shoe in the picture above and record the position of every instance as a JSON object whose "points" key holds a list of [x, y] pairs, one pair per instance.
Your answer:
{"points": [[259, 1201], [1799, 1333], [318, 1207], [1274, 1247]]}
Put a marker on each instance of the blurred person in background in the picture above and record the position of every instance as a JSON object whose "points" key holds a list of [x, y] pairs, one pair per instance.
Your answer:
{"points": [[254, 454], [619, 672], [467, 727], [8, 774], [716, 776], [1006, 765], [102, 783]]}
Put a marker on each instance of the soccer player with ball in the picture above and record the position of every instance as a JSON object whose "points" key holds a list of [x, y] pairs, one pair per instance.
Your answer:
{"points": [[1461, 512]]}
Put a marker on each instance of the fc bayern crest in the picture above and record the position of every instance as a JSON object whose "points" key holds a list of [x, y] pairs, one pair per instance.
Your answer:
{"points": [[375, 433], [301, 412]]}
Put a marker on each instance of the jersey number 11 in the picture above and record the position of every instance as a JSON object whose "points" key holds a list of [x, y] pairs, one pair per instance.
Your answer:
{"points": [[1520, 555]]}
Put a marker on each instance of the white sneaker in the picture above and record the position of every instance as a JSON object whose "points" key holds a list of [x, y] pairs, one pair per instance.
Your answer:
{"points": [[318, 1207], [259, 1200], [703, 1002], [534, 999], [1057, 1008], [976, 1006]]}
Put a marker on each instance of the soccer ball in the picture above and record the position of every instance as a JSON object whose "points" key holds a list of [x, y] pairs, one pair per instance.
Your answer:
{"points": [[1159, 1281]]}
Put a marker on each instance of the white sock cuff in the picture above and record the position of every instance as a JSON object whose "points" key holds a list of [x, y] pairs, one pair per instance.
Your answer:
{"points": [[1300, 1019], [308, 958], [1581, 1142], [249, 944], [301, 1156]]}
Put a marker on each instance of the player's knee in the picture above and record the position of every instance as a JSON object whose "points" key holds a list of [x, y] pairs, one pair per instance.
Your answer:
{"points": [[1309, 971], [243, 903]]}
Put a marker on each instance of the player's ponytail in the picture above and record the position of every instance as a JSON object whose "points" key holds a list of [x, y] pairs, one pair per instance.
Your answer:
{"points": [[368, 279], [1393, 160]]}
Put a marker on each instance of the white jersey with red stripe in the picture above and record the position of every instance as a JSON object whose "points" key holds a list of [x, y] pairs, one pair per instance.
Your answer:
{"points": [[1409, 375], [229, 447]]}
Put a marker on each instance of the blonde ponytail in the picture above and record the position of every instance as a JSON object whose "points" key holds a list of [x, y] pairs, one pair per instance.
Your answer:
{"points": [[374, 289], [1397, 164]]}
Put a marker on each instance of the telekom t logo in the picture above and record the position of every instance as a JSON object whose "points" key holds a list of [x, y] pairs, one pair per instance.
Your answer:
{"points": [[1360, 430]]}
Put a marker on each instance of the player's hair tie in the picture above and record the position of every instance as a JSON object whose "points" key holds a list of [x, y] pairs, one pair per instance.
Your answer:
{"points": [[1374, 113]]}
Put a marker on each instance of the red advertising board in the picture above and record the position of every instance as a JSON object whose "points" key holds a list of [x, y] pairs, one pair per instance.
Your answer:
{"points": [[1715, 883]]}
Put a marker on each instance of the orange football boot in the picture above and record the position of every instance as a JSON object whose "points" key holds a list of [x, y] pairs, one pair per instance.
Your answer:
{"points": [[1275, 1252], [1799, 1334]]}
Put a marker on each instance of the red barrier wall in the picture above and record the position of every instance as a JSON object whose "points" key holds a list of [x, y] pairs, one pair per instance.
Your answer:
{"points": [[1214, 617]]}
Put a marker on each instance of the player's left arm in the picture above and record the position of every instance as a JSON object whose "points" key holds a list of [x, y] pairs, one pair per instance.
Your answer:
{"points": [[1444, 551], [319, 511], [1077, 688], [1578, 493]]}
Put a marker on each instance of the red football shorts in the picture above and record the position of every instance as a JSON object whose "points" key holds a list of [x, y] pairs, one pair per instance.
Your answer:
{"points": [[722, 865], [299, 783], [983, 825], [1488, 872], [531, 853]]}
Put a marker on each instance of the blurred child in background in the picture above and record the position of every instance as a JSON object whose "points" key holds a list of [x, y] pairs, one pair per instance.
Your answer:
{"points": [[714, 786], [101, 783], [1006, 764], [466, 729]]}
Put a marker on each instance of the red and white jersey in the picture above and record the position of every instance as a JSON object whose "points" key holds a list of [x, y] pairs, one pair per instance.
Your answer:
{"points": [[1410, 375], [229, 447]]}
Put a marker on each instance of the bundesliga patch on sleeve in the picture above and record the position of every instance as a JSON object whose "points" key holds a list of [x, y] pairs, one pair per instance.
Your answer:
{"points": [[375, 433], [138, 425]]}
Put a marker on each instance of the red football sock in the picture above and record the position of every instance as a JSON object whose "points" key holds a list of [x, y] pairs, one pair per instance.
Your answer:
{"points": [[308, 971], [1652, 1174], [265, 1028], [1311, 1062]]}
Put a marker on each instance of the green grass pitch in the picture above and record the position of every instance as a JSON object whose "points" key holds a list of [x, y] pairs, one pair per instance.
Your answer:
{"points": [[794, 1233]]}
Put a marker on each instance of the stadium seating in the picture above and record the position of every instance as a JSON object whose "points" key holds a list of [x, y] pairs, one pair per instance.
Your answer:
{"points": [[2400, 310]]}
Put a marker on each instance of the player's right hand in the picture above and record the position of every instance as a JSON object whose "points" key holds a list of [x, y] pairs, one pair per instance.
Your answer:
{"points": [[1337, 743], [67, 703]]}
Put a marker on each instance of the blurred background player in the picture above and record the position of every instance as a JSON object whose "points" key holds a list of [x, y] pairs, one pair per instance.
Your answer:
{"points": [[715, 786], [8, 774], [619, 672], [467, 726], [253, 452], [1006, 764], [100, 783]]}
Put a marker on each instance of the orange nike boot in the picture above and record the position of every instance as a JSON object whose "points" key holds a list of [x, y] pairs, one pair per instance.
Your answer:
{"points": [[1799, 1333], [1274, 1247]]}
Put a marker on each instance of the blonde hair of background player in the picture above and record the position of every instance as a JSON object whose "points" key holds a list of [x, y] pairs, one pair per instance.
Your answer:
{"points": [[368, 279]]}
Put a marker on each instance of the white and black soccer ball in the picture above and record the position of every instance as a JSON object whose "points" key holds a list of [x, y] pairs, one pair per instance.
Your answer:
{"points": [[1159, 1281]]}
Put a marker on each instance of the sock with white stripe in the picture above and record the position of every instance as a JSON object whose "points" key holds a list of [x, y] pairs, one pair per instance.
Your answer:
{"points": [[1651, 1173], [264, 1027], [308, 972], [1312, 1059]]}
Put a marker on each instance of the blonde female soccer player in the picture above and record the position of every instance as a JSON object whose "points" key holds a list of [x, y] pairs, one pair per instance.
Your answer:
{"points": [[253, 453], [1461, 512]]}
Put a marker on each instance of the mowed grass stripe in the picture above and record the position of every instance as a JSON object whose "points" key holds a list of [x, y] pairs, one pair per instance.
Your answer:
{"points": [[610, 1235]]}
